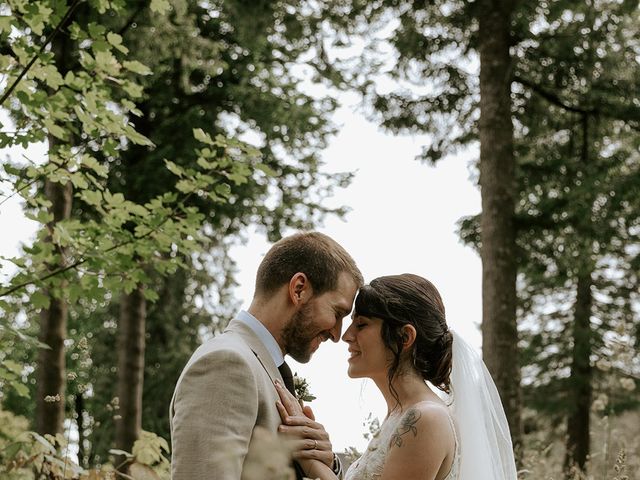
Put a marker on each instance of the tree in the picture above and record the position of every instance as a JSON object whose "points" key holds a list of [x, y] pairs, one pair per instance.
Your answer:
{"points": [[576, 207], [86, 105], [438, 45], [576, 211], [236, 79]]}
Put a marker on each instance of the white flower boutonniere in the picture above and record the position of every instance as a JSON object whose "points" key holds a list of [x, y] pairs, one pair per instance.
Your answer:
{"points": [[302, 388]]}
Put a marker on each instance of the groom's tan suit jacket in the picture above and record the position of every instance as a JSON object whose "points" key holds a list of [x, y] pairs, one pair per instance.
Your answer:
{"points": [[224, 392]]}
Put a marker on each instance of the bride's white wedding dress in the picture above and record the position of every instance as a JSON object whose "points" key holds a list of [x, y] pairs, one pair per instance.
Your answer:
{"points": [[369, 466]]}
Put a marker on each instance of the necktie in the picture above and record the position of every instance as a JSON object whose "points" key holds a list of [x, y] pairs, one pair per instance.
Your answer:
{"points": [[287, 377]]}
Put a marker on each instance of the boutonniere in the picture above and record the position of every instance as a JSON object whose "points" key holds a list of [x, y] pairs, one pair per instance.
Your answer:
{"points": [[301, 387]]}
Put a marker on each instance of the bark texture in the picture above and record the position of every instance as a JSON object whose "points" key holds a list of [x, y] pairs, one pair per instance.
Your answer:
{"points": [[578, 421], [498, 187], [51, 368], [578, 443], [131, 343]]}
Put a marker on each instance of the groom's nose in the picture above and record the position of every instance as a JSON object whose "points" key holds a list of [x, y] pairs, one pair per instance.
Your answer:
{"points": [[336, 331]]}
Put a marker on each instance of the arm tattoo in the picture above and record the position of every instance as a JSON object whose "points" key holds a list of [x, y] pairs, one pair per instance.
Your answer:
{"points": [[408, 425]]}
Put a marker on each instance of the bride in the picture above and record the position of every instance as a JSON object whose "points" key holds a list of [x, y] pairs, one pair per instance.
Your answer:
{"points": [[400, 339]]}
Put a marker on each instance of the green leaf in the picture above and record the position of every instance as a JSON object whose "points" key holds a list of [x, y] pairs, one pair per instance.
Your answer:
{"points": [[91, 197], [5, 23], [138, 210], [12, 450], [40, 300], [150, 295], [186, 186], [12, 366], [133, 89], [95, 30], [137, 67], [44, 442], [173, 168], [106, 62], [266, 169], [160, 6], [137, 138], [11, 170], [223, 189], [93, 164], [116, 40], [20, 388], [202, 136]]}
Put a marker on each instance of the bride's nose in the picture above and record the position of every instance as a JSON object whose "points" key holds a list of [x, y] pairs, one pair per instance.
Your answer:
{"points": [[348, 334]]}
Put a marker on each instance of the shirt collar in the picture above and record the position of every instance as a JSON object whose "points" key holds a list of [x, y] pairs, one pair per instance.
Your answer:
{"points": [[263, 334]]}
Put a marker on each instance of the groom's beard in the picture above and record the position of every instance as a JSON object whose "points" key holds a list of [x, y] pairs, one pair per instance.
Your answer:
{"points": [[298, 335]]}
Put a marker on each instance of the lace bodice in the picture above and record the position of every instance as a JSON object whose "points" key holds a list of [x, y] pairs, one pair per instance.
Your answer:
{"points": [[369, 466]]}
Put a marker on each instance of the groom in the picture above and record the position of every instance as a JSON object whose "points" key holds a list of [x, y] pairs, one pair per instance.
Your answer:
{"points": [[305, 285]]}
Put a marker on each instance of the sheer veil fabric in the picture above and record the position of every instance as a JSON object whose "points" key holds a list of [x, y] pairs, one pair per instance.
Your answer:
{"points": [[486, 452]]}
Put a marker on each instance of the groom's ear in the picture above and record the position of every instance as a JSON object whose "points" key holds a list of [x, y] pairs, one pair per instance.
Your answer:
{"points": [[300, 290], [409, 335]]}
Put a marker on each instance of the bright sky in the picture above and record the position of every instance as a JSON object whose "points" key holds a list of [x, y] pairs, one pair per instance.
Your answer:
{"points": [[403, 219]]}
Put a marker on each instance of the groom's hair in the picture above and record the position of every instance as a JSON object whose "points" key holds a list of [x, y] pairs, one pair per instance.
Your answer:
{"points": [[318, 256]]}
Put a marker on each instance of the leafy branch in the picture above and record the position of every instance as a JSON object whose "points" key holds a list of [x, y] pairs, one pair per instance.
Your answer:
{"points": [[63, 21]]}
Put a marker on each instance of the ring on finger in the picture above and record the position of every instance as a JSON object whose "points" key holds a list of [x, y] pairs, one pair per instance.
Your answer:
{"points": [[315, 445]]}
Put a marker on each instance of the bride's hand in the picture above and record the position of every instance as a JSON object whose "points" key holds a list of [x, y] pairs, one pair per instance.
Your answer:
{"points": [[309, 438]]}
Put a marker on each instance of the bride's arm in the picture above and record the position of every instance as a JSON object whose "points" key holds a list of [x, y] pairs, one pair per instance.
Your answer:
{"points": [[422, 445]]}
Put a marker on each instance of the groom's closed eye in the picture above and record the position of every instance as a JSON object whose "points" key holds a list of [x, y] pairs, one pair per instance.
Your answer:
{"points": [[340, 313]]}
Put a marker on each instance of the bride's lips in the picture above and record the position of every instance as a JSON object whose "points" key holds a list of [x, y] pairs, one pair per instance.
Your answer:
{"points": [[354, 354]]}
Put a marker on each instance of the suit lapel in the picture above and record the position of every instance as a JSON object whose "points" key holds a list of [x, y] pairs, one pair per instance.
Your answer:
{"points": [[256, 346]]}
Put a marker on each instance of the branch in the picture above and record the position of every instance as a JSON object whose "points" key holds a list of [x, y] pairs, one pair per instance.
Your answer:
{"points": [[77, 263], [556, 100], [24, 71], [550, 97]]}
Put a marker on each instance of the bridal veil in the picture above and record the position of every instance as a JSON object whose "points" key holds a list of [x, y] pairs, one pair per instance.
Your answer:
{"points": [[486, 452]]}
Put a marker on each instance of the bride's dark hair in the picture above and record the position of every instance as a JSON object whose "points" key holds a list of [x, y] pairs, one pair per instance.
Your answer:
{"points": [[409, 299]]}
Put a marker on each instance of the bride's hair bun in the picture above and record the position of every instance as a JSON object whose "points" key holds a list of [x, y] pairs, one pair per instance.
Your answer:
{"points": [[408, 299]]}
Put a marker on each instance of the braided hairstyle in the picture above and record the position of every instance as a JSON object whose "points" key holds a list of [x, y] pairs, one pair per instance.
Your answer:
{"points": [[409, 299]]}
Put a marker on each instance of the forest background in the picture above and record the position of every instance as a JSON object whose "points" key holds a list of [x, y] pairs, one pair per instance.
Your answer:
{"points": [[174, 131]]}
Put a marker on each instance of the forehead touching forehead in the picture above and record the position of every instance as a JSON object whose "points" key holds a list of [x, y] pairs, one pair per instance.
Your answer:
{"points": [[341, 298]]}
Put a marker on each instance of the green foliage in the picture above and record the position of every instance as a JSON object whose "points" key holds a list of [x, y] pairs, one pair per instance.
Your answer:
{"points": [[27, 455], [150, 104]]}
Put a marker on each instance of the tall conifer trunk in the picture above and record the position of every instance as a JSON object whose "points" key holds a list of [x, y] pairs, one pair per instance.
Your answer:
{"points": [[498, 187], [131, 343], [578, 422], [578, 419]]}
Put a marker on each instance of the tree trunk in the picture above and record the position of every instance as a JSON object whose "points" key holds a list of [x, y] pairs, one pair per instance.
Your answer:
{"points": [[51, 367], [578, 422], [498, 231], [51, 373], [580, 381], [79, 407], [131, 342]]}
